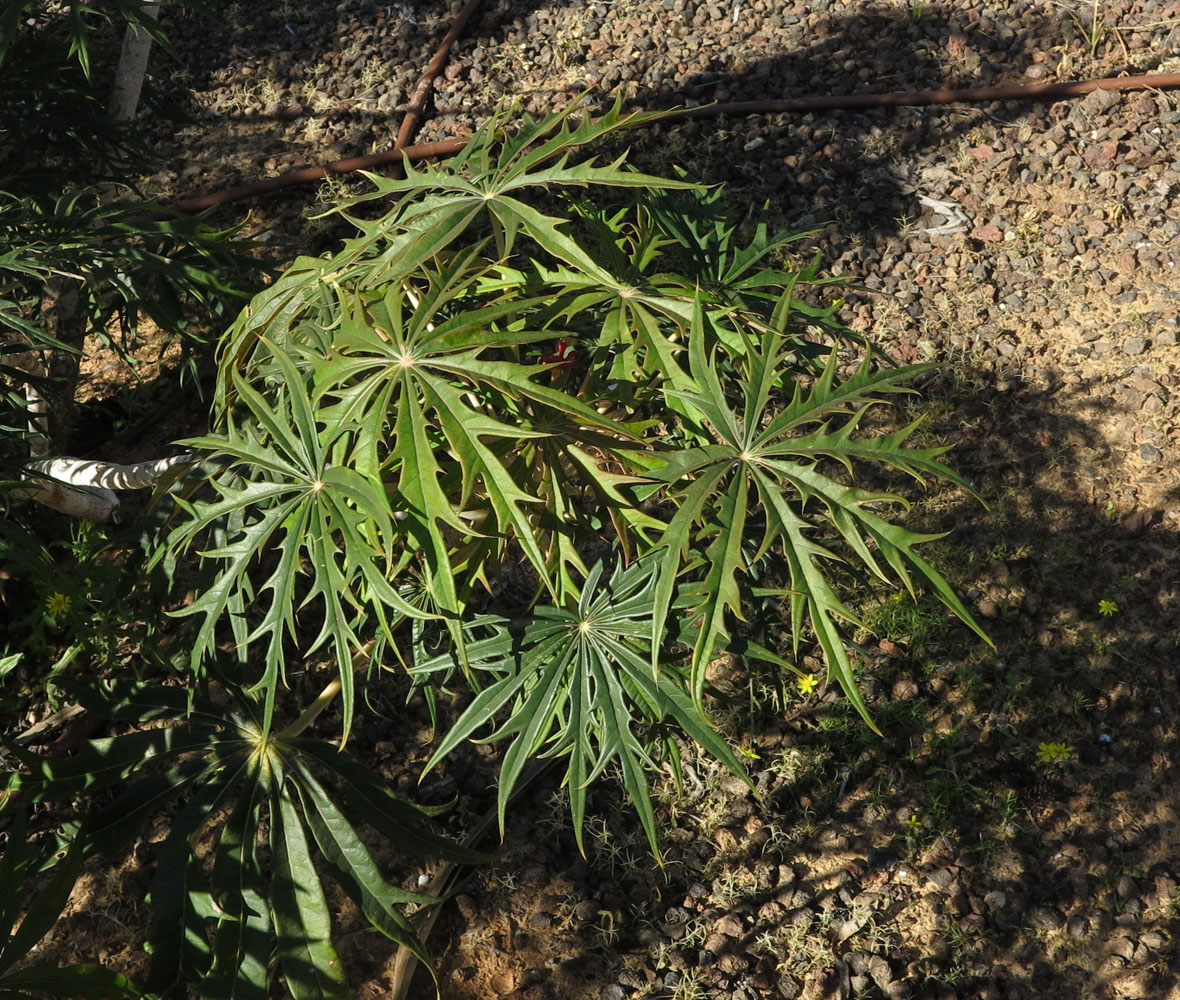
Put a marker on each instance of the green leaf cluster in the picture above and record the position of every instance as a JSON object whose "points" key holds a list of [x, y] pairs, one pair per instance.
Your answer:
{"points": [[527, 366], [226, 897], [552, 434]]}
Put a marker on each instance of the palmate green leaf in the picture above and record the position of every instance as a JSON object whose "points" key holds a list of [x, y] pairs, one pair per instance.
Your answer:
{"points": [[332, 521], [439, 201], [220, 911], [771, 466], [444, 398], [578, 684]]}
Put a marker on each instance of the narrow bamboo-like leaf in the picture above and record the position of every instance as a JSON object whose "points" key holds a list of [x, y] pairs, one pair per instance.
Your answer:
{"points": [[142, 701], [42, 910], [400, 821], [311, 967], [179, 948], [100, 763], [724, 559], [79, 982], [243, 941], [354, 869], [674, 547], [116, 825]]}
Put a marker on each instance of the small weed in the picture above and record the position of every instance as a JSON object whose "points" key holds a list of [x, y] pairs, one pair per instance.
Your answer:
{"points": [[1051, 754], [606, 934], [688, 987], [1095, 31], [1009, 809]]}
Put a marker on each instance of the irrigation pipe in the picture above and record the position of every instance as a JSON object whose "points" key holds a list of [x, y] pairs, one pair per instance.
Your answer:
{"points": [[848, 102], [422, 92]]}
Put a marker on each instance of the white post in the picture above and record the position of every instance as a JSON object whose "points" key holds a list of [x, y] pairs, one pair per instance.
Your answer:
{"points": [[133, 60]]}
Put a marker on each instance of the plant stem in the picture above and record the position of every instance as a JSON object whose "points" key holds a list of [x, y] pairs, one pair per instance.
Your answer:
{"points": [[312, 712]]}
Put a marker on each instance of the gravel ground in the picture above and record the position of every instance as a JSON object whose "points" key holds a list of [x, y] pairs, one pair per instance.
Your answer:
{"points": [[1014, 835]]}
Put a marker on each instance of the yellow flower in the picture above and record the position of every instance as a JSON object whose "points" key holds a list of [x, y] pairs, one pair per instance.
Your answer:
{"points": [[1107, 608], [57, 604], [807, 684]]}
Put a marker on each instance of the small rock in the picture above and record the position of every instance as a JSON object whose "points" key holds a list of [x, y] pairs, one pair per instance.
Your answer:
{"points": [[732, 964], [995, 899], [903, 690], [942, 878], [1120, 946], [789, 988], [1134, 345], [846, 928], [880, 972], [1045, 918], [1150, 453], [987, 234], [729, 925], [715, 944], [1153, 940]]}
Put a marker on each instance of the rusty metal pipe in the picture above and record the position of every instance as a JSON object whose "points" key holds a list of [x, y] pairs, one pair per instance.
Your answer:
{"points": [[912, 98], [422, 92], [303, 175], [923, 98]]}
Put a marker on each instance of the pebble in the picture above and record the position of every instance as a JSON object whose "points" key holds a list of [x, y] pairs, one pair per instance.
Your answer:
{"points": [[995, 899], [1045, 918], [942, 878], [1133, 346]]}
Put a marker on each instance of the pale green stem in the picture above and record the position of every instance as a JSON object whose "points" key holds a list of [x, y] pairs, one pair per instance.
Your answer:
{"points": [[309, 714], [312, 712]]}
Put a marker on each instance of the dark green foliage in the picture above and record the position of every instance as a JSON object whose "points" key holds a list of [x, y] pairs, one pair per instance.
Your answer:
{"points": [[223, 901]]}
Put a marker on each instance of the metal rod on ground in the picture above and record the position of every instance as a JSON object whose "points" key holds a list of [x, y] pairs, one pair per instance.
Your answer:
{"points": [[422, 92], [914, 98]]}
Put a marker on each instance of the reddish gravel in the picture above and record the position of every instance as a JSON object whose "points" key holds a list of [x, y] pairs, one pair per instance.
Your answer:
{"points": [[1030, 250]]}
